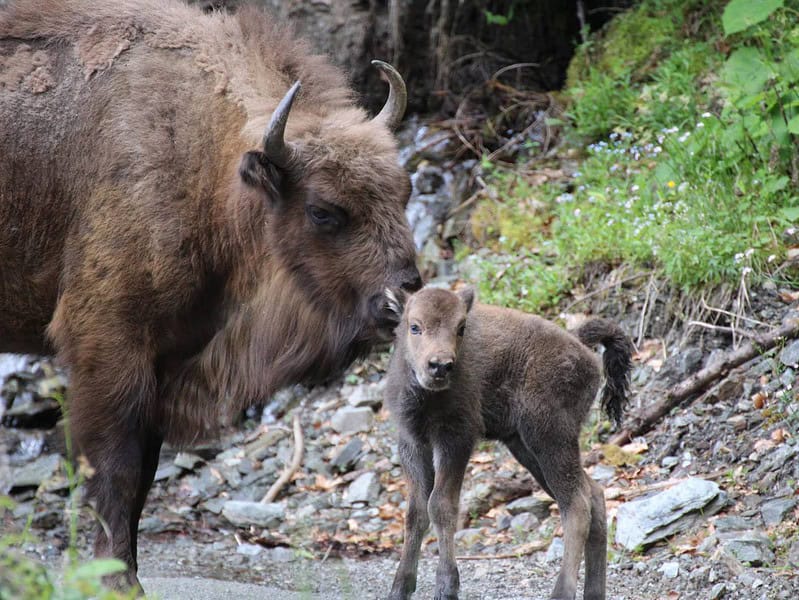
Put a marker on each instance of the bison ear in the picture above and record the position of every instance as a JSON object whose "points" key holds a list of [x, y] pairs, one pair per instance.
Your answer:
{"points": [[395, 300], [257, 171], [467, 296]]}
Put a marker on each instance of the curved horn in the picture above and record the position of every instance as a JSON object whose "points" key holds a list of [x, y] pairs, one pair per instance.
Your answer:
{"points": [[275, 147], [394, 108]]}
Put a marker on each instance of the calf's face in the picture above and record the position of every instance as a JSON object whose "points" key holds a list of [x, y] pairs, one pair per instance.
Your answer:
{"points": [[432, 329]]}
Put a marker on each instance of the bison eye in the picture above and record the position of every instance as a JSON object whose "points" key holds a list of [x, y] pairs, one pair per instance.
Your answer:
{"points": [[461, 330], [415, 329], [327, 219]]}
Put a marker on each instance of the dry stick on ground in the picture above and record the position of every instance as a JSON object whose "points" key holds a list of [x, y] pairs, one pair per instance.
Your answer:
{"points": [[700, 380], [296, 460], [528, 549]]}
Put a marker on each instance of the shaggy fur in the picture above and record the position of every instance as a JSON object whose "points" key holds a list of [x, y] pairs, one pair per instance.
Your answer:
{"points": [[146, 238], [460, 373]]}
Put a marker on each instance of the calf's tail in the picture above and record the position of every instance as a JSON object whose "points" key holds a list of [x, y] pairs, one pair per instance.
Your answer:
{"points": [[617, 362]]}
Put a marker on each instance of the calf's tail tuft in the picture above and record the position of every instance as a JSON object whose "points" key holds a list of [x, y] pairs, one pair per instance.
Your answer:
{"points": [[617, 362]]}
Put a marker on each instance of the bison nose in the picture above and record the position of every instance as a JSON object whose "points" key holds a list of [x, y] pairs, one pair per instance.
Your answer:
{"points": [[440, 367], [409, 279]]}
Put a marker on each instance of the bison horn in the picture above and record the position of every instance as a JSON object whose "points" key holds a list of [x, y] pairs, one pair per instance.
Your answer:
{"points": [[275, 147], [391, 113]]}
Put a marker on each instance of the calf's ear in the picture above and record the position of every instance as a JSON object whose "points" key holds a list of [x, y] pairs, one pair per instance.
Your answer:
{"points": [[257, 171], [396, 300], [467, 296]]}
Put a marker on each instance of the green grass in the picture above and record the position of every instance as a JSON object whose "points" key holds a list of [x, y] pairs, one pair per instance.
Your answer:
{"points": [[688, 158]]}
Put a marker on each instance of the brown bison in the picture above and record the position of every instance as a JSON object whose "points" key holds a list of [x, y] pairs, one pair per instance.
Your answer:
{"points": [[184, 233], [461, 373]]}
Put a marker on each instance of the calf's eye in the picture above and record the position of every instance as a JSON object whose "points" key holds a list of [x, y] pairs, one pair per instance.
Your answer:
{"points": [[415, 329], [461, 330]]}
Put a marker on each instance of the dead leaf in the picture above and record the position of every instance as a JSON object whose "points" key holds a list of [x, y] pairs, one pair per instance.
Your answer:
{"points": [[635, 447], [759, 400], [761, 446]]}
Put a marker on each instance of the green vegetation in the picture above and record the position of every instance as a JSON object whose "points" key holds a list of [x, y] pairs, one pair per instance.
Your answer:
{"points": [[685, 116]]}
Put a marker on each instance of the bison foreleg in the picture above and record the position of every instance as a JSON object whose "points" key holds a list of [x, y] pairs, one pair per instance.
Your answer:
{"points": [[450, 457], [417, 462], [122, 455]]}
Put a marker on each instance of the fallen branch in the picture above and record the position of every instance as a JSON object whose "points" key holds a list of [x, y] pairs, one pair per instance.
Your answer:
{"points": [[527, 550], [296, 460], [699, 381]]}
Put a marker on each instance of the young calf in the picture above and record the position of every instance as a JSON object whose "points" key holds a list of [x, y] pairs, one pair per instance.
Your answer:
{"points": [[461, 373]]}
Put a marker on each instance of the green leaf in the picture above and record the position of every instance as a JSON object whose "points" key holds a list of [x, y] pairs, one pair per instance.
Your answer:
{"points": [[98, 568], [746, 71], [793, 125], [791, 213], [742, 14]]}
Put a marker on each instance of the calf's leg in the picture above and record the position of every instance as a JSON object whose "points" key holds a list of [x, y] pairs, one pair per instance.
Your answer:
{"points": [[417, 462], [450, 458], [597, 547], [558, 463]]}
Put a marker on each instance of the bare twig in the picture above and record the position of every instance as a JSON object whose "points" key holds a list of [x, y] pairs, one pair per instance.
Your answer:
{"points": [[731, 330], [606, 288], [527, 550], [296, 460]]}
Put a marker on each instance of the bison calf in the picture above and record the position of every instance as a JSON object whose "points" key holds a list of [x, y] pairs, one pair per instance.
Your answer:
{"points": [[461, 373]]}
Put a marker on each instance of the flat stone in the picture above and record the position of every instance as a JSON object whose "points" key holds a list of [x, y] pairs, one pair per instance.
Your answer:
{"points": [[643, 522], [367, 394], [365, 489], [347, 457], [352, 419], [603, 473], [243, 514], [187, 460], [732, 523], [670, 570], [169, 471], [34, 473], [774, 511], [537, 504], [524, 522], [748, 547], [790, 355]]}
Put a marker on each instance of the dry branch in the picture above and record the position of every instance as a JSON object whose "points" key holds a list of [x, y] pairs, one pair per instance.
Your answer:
{"points": [[699, 381], [296, 460]]}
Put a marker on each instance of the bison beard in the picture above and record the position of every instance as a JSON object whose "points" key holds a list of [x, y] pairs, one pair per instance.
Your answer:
{"points": [[186, 241]]}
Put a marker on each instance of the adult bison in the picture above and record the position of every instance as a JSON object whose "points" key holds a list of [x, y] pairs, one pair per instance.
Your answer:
{"points": [[186, 241]]}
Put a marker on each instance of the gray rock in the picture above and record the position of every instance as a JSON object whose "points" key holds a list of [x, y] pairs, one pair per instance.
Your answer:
{"points": [[524, 522], [280, 554], [187, 460], [367, 394], [732, 523], [774, 511], [167, 472], [249, 549], [346, 458], [243, 514], [538, 504], [352, 420], [262, 447], [643, 522], [555, 550], [603, 473], [718, 591], [34, 473], [790, 355], [690, 361], [469, 537], [748, 547], [670, 570], [365, 489]]}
